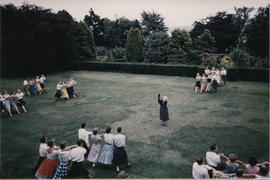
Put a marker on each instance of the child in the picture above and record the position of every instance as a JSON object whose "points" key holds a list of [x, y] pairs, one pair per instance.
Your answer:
{"points": [[203, 83], [21, 102], [58, 91], [25, 87]]}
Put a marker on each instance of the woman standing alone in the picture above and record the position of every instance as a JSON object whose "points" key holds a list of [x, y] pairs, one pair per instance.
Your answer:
{"points": [[164, 114]]}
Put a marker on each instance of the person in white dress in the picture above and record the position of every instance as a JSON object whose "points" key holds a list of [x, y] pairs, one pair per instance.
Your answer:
{"points": [[106, 155], [95, 147]]}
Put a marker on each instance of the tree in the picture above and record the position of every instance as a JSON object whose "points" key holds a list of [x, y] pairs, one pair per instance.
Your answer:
{"points": [[205, 42], [180, 45], [96, 24], [116, 32], [156, 47], [241, 18], [222, 27], [152, 22], [257, 33], [134, 45]]}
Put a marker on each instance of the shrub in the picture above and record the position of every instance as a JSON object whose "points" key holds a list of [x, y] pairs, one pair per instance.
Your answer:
{"points": [[239, 56], [118, 52], [100, 50]]}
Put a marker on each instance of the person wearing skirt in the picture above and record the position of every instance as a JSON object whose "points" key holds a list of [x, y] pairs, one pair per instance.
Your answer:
{"points": [[64, 93], [198, 82], [42, 81], [43, 147], [106, 155], [203, 83], [6, 104], [75, 163], [70, 89], [223, 75], [48, 167], [120, 155], [38, 86], [63, 155], [32, 88], [21, 102], [163, 112], [208, 86], [13, 102], [58, 91], [95, 148], [25, 87]]}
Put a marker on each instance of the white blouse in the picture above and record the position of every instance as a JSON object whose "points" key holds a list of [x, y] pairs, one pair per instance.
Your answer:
{"points": [[25, 83], [59, 86], [20, 95], [108, 138], [198, 78], [63, 155], [223, 72], [207, 71], [53, 155]]}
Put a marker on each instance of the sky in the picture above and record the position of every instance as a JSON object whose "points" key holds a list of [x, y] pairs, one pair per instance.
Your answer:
{"points": [[177, 13]]}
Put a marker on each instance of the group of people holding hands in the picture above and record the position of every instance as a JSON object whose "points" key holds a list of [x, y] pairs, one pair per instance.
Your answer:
{"points": [[209, 81], [65, 91], [68, 161], [13, 103], [216, 168], [34, 87]]}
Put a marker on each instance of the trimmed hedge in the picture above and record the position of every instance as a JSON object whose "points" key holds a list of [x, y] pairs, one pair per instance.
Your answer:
{"points": [[234, 74]]}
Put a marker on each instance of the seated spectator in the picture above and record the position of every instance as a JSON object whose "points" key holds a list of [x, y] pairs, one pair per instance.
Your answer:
{"points": [[199, 170]]}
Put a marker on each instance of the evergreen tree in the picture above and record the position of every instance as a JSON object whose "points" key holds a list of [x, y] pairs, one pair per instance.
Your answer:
{"points": [[205, 42], [134, 45]]}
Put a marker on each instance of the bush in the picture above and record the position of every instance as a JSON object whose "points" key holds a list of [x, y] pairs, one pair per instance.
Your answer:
{"points": [[226, 61], [100, 50], [118, 52], [239, 56], [234, 74]]}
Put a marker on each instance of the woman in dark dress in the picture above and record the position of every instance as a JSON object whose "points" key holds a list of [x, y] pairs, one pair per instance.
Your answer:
{"points": [[164, 114]]}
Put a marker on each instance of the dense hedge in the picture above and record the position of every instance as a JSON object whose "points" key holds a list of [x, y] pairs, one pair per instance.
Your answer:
{"points": [[234, 74]]}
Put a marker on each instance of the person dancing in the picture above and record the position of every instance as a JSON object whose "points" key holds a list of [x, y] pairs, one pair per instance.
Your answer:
{"points": [[164, 113]]}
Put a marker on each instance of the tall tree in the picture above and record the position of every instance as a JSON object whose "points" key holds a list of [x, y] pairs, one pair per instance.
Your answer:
{"points": [[96, 24], [152, 22], [257, 33], [222, 27], [180, 45], [156, 47], [134, 45], [205, 42]]}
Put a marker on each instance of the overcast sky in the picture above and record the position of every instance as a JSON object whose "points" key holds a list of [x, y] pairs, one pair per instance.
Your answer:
{"points": [[177, 13]]}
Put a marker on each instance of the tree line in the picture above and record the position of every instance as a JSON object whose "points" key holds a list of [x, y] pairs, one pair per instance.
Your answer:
{"points": [[36, 39]]}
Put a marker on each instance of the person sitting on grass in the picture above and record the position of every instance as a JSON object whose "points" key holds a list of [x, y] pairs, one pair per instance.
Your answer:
{"points": [[212, 158], [164, 113], [21, 102]]}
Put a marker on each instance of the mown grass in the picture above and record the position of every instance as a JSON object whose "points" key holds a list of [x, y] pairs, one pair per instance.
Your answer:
{"points": [[237, 119]]}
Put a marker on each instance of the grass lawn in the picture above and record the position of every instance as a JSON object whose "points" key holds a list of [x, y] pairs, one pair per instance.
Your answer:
{"points": [[236, 118]]}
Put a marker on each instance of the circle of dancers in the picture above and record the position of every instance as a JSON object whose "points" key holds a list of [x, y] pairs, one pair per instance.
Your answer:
{"points": [[231, 168], [209, 81], [65, 91], [14, 102], [68, 161]]}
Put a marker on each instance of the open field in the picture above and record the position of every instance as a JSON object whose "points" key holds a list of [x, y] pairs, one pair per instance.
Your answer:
{"points": [[236, 118]]}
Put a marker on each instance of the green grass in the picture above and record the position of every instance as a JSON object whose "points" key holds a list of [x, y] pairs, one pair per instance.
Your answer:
{"points": [[237, 119]]}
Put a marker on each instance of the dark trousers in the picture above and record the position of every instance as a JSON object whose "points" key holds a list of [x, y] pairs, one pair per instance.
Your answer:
{"points": [[87, 149], [119, 156]]}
